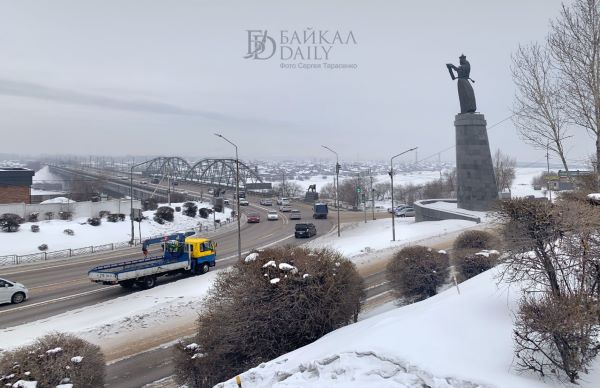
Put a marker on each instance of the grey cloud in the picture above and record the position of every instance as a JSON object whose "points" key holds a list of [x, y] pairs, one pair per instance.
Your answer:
{"points": [[34, 90]]}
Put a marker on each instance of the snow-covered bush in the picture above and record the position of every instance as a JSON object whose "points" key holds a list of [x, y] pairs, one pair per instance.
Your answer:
{"points": [[204, 212], [112, 217], [35, 228], [472, 262], [69, 232], [150, 204], [416, 272], [49, 215], [66, 216], [54, 359], [103, 213], [33, 217], [43, 247], [475, 239], [164, 213], [94, 221], [557, 336], [269, 304], [10, 222], [190, 209]]}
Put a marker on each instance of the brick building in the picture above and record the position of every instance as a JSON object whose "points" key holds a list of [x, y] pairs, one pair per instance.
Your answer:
{"points": [[15, 185]]}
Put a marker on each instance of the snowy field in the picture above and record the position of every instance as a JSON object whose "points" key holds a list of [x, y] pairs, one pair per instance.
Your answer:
{"points": [[52, 233], [449, 340]]}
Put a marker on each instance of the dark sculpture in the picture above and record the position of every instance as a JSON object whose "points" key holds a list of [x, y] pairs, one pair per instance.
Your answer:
{"points": [[312, 188], [466, 95]]}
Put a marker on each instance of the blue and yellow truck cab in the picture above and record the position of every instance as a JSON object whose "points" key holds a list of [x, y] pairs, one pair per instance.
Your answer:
{"points": [[202, 253]]}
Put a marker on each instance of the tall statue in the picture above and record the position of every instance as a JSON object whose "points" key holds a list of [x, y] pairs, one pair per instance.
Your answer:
{"points": [[466, 95]]}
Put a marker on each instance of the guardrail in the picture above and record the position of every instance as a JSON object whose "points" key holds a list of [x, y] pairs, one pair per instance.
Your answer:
{"points": [[92, 249]]}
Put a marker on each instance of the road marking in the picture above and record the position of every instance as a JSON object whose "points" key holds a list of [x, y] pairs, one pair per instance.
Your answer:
{"points": [[80, 280], [57, 299], [378, 295], [376, 285]]}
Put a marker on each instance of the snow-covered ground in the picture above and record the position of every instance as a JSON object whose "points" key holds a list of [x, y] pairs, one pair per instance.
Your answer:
{"points": [[143, 313], [43, 175], [52, 233], [359, 239], [522, 187], [121, 319], [450, 340]]}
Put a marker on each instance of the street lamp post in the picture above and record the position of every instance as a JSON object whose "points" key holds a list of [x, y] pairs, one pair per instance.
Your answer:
{"points": [[237, 192], [392, 178], [131, 242], [337, 185]]}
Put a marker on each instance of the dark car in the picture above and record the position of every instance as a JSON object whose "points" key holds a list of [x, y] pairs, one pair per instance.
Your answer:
{"points": [[305, 230], [253, 218]]}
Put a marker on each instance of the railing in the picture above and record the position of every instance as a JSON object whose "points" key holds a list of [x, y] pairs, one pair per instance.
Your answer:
{"points": [[73, 252]]}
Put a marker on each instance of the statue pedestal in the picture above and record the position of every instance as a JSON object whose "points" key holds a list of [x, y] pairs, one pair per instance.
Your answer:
{"points": [[476, 186], [311, 196]]}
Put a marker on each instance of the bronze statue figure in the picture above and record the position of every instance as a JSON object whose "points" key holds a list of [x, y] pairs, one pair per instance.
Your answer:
{"points": [[466, 95]]}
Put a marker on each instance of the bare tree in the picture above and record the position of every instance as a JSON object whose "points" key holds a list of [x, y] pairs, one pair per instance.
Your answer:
{"points": [[504, 170], [574, 44], [538, 112]]}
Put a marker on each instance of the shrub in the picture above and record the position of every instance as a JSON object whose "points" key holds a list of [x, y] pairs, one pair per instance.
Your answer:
{"points": [[475, 239], [121, 216], [112, 218], [273, 302], [472, 262], [66, 216], [43, 247], [190, 209], [10, 222], [103, 213], [164, 213], [94, 221], [557, 336], [204, 212], [69, 232], [150, 204], [416, 272], [35, 228], [33, 217], [49, 215], [54, 359]]}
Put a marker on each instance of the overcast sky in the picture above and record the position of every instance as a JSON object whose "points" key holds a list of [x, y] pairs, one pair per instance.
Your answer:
{"points": [[160, 77]]}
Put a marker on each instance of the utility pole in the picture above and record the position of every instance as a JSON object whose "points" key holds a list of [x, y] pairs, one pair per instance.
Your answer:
{"points": [[391, 173], [372, 195], [336, 182]]}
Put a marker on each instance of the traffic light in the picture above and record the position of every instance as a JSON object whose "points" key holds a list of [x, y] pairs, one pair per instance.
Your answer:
{"points": [[358, 189], [337, 168]]}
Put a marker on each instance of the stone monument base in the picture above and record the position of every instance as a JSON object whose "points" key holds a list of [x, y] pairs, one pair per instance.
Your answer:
{"points": [[311, 196], [476, 185]]}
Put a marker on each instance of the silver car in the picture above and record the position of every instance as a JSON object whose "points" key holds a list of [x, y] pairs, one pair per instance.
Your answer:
{"points": [[12, 292], [405, 212]]}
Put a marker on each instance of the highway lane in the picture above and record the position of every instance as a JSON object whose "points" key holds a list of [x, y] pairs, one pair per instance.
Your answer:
{"points": [[61, 286]]}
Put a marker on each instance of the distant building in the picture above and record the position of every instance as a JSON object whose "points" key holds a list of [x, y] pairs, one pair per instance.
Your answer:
{"points": [[562, 182], [15, 184]]}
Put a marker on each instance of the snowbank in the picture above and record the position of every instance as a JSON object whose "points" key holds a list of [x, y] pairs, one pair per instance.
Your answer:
{"points": [[444, 341], [57, 200], [359, 238], [121, 318]]}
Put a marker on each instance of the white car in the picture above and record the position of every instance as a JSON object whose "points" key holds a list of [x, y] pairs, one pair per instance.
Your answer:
{"points": [[11, 292], [285, 208], [272, 215], [244, 202]]}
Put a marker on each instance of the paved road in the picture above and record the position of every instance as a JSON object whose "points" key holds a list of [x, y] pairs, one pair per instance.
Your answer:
{"points": [[57, 287]]}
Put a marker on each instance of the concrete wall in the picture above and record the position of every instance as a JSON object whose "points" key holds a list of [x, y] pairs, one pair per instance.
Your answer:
{"points": [[424, 213], [79, 209]]}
